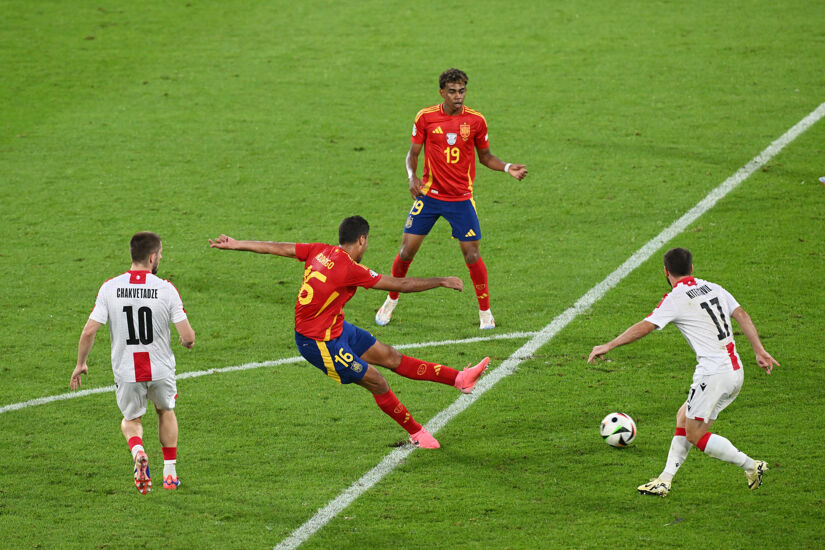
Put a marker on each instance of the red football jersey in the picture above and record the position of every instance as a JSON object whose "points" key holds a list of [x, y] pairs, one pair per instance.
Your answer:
{"points": [[331, 278], [449, 150]]}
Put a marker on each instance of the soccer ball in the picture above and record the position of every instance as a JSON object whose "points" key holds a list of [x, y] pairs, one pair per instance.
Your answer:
{"points": [[618, 429]]}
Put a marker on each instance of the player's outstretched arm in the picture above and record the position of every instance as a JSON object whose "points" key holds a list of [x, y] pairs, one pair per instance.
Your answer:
{"points": [[635, 332], [763, 358], [261, 247], [417, 284], [488, 159], [84, 347]]}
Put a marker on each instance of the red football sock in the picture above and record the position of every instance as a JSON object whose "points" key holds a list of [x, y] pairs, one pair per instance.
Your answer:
{"points": [[169, 453], [702, 443], [478, 273], [399, 269], [133, 441], [417, 369], [390, 404]]}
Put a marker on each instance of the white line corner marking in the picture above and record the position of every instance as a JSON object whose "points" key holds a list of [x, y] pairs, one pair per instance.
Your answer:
{"points": [[394, 458]]}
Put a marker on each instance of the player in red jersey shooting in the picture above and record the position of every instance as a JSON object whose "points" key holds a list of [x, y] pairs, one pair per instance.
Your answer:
{"points": [[341, 350], [450, 134]]}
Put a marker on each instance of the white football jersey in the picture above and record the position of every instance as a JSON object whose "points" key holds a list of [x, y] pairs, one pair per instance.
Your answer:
{"points": [[139, 306], [701, 310]]}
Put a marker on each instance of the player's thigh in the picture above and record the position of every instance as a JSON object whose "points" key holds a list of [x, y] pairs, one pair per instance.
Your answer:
{"points": [[463, 220], [423, 215], [729, 390], [335, 358], [131, 399], [163, 393], [710, 394], [680, 416]]}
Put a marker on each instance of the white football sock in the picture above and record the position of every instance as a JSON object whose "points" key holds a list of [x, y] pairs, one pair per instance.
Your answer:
{"points": [[679, 448], [169, 468], [719, 447]]}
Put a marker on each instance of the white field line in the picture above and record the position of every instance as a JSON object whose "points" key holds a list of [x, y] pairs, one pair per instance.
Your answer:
{"points": [[248, 366], [395, 457]]}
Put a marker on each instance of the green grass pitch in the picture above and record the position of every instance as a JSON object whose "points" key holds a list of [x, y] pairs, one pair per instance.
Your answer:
{"points": [[275, 120]]}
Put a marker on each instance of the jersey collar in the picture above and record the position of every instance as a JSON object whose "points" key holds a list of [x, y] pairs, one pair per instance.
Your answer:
{"points": [[443, 112], [687, 281], [138, 276]]}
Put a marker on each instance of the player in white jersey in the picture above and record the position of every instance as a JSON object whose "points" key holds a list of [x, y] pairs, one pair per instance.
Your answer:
{"points": [[701, 310], [139, 307]]}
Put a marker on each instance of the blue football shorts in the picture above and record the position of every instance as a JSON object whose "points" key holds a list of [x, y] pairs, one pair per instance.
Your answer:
{"points": [[340, 359], [461, 215]]}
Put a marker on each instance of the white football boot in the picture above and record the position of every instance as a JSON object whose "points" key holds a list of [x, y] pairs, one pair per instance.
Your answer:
{"points": [[385, 312], [486, 320]]}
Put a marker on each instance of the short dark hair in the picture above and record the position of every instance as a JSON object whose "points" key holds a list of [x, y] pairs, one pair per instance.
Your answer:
{"points": [[452, 75], [678, 261], [351, 229], [143, 245]]}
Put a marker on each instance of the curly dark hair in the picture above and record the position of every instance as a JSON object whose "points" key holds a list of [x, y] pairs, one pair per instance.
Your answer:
{"points": [[452, 75]]}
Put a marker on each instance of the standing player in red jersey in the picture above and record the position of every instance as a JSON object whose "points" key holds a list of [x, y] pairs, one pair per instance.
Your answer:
{"points": [[450, 133], [343, 351]]}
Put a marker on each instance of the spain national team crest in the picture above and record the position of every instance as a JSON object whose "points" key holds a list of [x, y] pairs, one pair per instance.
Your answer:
{"points": [[451, 138], [465, 131]]}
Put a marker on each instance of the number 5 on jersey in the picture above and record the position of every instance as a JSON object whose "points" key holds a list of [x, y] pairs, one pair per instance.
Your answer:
{"points": [[306, 292]]}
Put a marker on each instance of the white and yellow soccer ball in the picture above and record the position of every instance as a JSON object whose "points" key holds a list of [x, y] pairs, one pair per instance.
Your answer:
{"points": [[618, 429]]}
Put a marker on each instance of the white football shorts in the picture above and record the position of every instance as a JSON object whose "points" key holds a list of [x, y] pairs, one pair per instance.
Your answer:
{"points": [[132, 396], [711, 393]]}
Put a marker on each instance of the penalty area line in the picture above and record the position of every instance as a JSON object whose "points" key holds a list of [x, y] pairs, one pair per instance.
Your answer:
{"points": [[249, 366], [508, 367]]}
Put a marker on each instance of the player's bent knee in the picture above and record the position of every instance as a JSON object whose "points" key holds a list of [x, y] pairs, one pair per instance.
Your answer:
{"points": [[383, 355], [470, 251], [374, 382], [695, 433], [406, 255], [407, 252], [470, 259]]}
